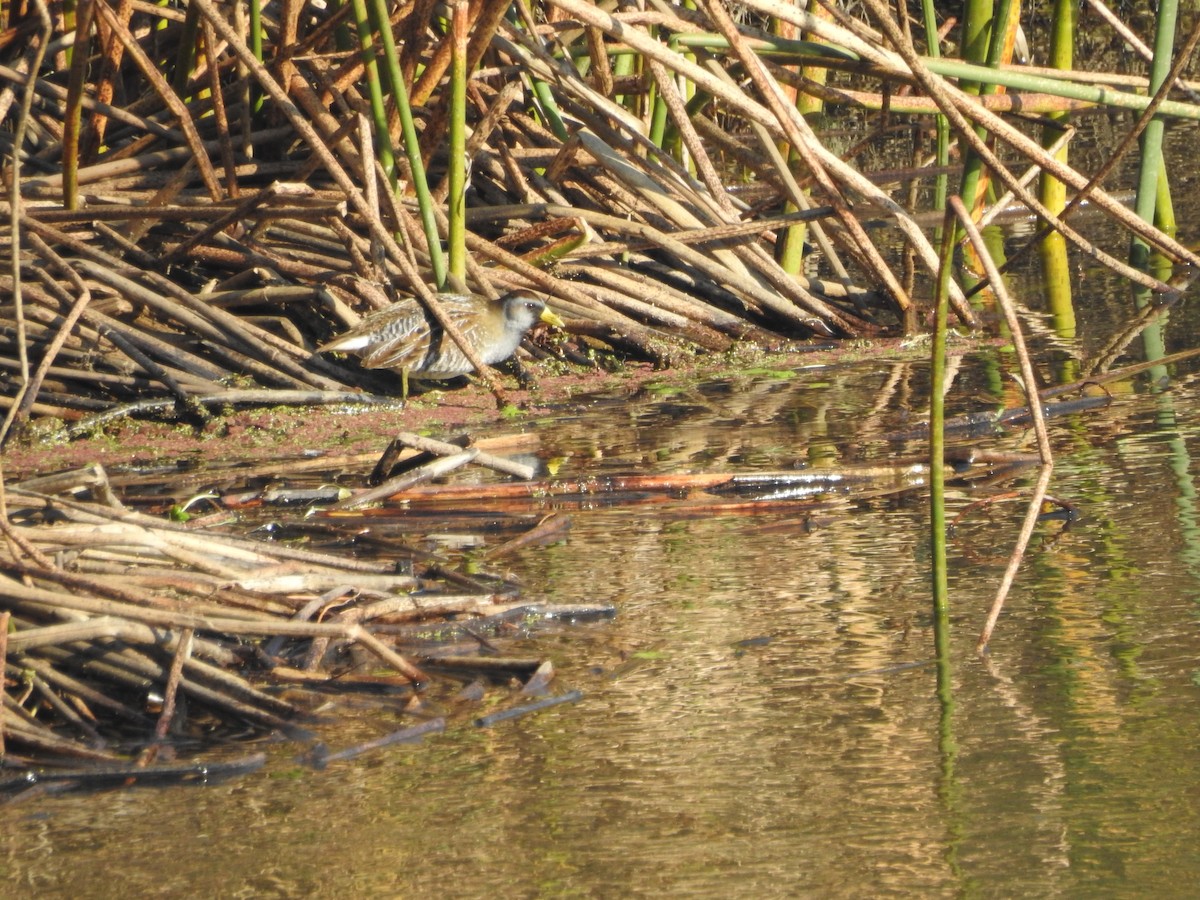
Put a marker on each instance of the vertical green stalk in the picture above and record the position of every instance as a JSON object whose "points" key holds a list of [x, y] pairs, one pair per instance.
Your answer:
{"points": [[624, 65], [1056, 287], [412, 148], [976, 31], [1164, 208], [383, 139], [947, 745], [934, 51], [1148, 176], [256, 47], [937, 438], [999, 39], [999, 50], [1056, 275], [1154, 339], [659, 118], [662, 131], [391, 60], [73, 121], [993, 41], [978, 24], [789, 246], [1062, 56], [457, 164], [185, 56], [256, 31]]}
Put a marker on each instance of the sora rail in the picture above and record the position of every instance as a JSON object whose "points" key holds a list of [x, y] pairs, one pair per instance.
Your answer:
{"points": [[405, 337]]}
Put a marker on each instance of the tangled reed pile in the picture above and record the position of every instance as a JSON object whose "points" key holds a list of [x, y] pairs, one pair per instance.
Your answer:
{"points": [[191, 221]]}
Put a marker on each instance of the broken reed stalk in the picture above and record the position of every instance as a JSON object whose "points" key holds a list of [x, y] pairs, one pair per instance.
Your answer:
{"points": [[1029, 384], [897, 476], [487, 460], [182, 653], [321, 758]]}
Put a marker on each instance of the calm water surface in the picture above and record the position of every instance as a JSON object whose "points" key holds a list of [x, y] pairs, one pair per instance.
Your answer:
{"points": [[762, 718]]}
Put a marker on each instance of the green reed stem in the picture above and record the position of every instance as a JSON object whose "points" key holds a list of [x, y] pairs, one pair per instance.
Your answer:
{"points": [[185, 56], [659, 118], [624, 65], [937, 420], [456, 235], [73, 118], [982, 34], [381, 21], [256, 47], [1062, 56], [966, 72], [789, 244], [977, 16], [934, 50], [366, 42], [412, 148], [256, 29], [1164, 207], [1152, 166]]}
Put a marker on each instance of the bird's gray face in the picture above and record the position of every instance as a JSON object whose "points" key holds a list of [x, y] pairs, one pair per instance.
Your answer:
{"points": [[522, 311]]}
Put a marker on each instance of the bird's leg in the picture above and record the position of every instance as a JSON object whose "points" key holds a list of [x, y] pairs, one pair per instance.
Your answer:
{"points": [[525, 378]]}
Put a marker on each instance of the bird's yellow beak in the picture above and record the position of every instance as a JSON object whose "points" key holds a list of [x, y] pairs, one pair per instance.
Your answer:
{"points": [[550, 318]]}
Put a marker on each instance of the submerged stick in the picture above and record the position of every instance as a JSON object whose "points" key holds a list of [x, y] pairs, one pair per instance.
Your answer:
{"points": [[98, 776], [319, 758], [517, 711]]}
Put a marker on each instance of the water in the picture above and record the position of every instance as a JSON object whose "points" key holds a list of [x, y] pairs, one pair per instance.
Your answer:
{"points": [[761, 717]]}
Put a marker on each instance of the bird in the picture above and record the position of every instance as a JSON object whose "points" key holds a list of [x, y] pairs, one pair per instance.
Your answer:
{"points": [[405, 336]]}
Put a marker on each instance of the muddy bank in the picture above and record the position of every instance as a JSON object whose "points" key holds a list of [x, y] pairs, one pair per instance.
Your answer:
{"points": [[255, 435]]}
